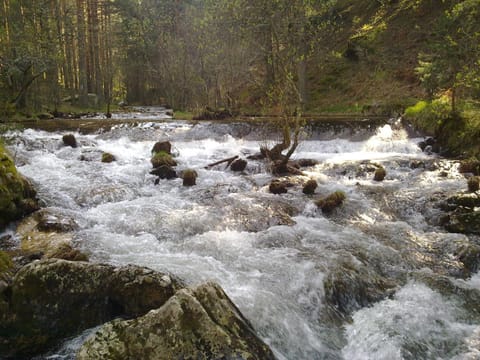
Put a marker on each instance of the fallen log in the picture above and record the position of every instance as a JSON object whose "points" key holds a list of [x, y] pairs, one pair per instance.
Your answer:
{"points": [[228, 161]]}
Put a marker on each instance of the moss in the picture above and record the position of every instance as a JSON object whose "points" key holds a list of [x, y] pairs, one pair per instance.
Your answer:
{"points": [[107, 158], [5, 262], [471, 165], [14, 190], [162, 158], [331, 202]]}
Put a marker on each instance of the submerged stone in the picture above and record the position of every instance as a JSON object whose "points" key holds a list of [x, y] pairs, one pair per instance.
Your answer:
{"points": [[195, 323], [350, 287]]}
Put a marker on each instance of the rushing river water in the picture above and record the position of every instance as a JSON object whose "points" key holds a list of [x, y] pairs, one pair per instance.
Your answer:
{"points": [[227, 229]]}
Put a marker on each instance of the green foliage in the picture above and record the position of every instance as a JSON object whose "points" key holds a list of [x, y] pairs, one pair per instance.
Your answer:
{"points": [[451, 60], [5, 262], [429, 116]]}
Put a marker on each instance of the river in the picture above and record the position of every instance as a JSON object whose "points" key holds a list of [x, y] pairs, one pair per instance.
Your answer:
{"points": [[227, 228]]}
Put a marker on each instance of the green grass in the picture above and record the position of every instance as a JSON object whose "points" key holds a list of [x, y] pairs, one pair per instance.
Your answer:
{"points": [[183, 115]]}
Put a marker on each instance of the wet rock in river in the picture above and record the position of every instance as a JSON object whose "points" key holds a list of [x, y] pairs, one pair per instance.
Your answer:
{"points": [[50, 233], [350, 287], [470, 166], [464, 200], [195, 323], [277, 187], [107, 157], [53, 299], [331, 202], [17, 195], [164, 172], [162, 146], [473, 183], [162, 159], [69, 140], [380, 174], [306, 162], [189, 177], [465, 223], [238, 165], [309, 187]]}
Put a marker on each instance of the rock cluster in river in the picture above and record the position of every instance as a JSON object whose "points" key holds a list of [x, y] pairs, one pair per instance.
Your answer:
{"points": [[162, 161], [49, 300]]}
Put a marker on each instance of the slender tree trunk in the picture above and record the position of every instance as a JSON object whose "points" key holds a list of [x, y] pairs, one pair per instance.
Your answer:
{"points": [[82, 54]]}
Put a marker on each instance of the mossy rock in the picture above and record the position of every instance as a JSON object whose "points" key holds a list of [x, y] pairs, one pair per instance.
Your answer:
{"points": [[380, 174], [54, 299], [350, 287], [471, 166], [162, 146], [198, 323], [107, 158], [189, 177], [309, 187], [17, 196], [162, 159], [51, 233], [5, 262], [331, 202], [465, 223], [278, 187], [466, 200]]}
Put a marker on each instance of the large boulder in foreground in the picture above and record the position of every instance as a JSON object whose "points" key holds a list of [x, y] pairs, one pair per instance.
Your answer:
{"points": [[52, 299], [17, 196], [196, 323]]}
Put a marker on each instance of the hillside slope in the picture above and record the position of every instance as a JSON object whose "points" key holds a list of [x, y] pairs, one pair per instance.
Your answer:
{"points": [[371, 65]]}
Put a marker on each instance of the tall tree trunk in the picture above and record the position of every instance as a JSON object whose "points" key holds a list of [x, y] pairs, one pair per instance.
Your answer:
{"points": [[82, 54]]}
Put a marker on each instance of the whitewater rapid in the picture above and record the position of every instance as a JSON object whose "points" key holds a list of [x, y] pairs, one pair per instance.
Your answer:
{"points": [[225, 229]]}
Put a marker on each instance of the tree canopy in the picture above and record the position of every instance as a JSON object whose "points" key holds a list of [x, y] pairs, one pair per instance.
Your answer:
{"points": [[279, 55]]}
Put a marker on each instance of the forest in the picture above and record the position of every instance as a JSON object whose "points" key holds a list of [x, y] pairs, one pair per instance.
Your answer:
{"points": [[243, 55], [240, 179]]}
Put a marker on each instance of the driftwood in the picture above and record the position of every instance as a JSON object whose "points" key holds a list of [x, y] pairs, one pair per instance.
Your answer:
{"points": [[228, 161]]}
